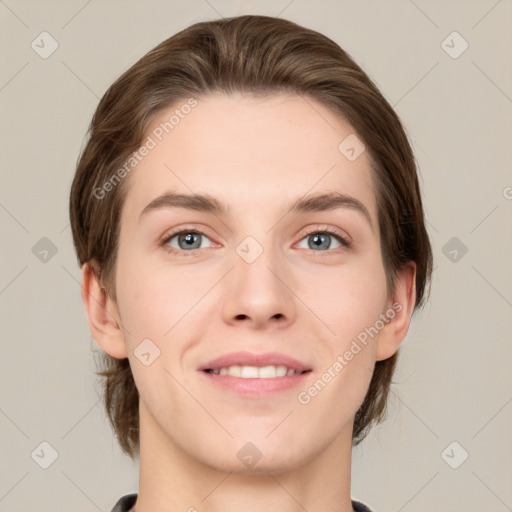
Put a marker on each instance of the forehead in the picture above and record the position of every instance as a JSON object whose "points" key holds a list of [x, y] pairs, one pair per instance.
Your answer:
{"points": [[250, 152]]}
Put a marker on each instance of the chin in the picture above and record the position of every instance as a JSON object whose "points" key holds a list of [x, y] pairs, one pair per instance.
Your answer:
{"points": [[244, 457]]}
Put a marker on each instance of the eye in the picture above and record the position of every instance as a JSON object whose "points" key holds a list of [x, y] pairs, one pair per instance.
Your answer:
{"points": [[322, 239], [183, 241], [190, 240]]}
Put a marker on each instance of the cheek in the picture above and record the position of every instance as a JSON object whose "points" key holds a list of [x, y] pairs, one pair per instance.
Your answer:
{"points": [[153, 297], [351, 308], [348, 298]]}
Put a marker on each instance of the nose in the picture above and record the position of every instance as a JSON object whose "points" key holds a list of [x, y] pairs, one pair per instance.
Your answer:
{"points": [[259, 293]]}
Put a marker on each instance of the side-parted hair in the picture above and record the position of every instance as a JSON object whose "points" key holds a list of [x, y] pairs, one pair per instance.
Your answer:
{"points": [[262, 56]]}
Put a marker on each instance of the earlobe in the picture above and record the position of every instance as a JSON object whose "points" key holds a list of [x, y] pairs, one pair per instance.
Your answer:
{"points": [[401, 309], [102, 314]]}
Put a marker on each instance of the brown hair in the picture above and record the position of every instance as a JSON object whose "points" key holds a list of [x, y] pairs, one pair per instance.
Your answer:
{"points": [[258, 55]]}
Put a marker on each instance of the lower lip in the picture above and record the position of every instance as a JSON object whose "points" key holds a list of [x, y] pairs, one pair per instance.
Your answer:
{"points": [[256, 387]]}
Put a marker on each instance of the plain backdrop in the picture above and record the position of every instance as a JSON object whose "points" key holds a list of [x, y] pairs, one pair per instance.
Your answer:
{"points": [[446, 69]]}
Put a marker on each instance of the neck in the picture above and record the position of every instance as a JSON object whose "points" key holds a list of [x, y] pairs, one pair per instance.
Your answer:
{"points": [[171, 479]]}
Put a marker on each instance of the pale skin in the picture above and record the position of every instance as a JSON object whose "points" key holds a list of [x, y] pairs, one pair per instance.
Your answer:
{"points": [[255, 155]]}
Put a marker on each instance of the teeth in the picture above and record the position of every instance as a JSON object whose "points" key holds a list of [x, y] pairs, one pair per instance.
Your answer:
{"points": [[255, 372], [248, 372]]}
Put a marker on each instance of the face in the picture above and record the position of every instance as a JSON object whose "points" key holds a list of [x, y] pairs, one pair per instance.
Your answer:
{"points": [[254, 276]]}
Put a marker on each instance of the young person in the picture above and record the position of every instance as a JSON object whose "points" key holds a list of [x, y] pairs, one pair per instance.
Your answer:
{"points": [[249, 223]]}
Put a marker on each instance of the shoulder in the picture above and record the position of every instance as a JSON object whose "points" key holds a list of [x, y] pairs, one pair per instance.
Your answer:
{"points": [[125, 503], [360, 507]]}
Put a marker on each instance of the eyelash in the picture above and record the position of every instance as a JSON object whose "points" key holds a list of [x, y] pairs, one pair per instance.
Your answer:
{"points": [[345, 243]]}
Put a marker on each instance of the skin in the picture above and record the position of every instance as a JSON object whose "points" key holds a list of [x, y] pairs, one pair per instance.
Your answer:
{"points": [[257, 155]]}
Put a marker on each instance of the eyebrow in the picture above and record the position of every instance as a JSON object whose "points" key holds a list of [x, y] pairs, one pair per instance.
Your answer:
{"points": [[207, 203]]}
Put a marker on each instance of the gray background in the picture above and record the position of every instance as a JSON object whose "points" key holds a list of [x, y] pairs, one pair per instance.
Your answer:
{"points": [[453, 382]]}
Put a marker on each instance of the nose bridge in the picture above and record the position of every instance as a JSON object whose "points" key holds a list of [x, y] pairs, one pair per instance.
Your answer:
{"points": [[254, 261], [256, 287]]}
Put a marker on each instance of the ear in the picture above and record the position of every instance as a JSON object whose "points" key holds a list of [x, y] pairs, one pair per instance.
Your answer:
{"points": [[402, 305], [102, 313]]}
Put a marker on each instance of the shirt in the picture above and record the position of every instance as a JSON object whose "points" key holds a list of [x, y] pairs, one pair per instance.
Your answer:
{"points": [[126, 502]]}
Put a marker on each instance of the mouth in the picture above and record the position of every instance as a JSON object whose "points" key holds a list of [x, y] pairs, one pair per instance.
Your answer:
{"points": [[255, 375], [247, 365], [256, 372]]}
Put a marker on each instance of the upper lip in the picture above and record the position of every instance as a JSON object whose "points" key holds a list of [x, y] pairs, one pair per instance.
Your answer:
{"points": [[248, 359]]}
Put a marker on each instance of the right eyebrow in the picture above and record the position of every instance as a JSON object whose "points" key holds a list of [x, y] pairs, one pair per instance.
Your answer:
{"points": [[199, 202]]}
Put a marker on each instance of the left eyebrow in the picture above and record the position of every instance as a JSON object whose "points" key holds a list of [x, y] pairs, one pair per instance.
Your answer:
{"points": [[207, 203], [330, 201]]}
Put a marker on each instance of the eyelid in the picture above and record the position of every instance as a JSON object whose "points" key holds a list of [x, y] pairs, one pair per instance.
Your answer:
{"points": [[343, 235], [191, 228]]}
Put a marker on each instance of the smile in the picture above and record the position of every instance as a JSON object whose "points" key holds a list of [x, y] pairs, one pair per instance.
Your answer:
{"points": [[255, 372]]}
